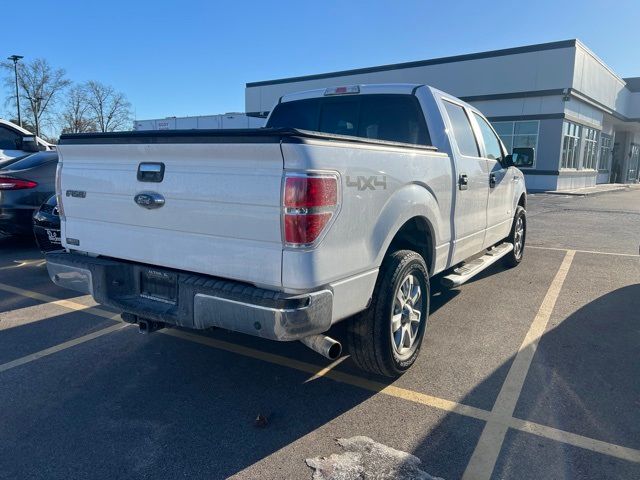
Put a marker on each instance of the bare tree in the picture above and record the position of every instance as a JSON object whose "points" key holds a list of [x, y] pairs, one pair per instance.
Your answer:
{"points": [[40, 85], [110, 109], [76, 115]]}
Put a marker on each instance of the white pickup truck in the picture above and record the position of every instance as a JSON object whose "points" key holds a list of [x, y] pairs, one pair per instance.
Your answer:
{"points": [[343, 207]]}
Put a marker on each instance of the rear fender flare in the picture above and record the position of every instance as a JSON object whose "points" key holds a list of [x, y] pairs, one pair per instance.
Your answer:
{"points": [[408, 202]]}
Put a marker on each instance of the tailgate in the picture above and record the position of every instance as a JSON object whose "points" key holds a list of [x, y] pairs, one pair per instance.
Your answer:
{"points": [[221, 211]]}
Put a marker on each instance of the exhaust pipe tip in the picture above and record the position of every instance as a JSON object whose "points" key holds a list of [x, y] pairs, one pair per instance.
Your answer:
{"points": [[149, 326], [325, 346], [334, 351]]}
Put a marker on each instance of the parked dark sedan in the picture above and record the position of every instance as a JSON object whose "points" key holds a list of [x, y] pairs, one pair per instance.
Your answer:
{"points": [[46, 226], [24, 185]]}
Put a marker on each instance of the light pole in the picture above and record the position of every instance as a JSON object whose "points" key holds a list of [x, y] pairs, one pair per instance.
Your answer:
{"points": [[15, 59]]}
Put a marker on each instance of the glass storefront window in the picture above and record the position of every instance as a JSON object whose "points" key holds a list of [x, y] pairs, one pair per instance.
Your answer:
{"points": [[521, 133]]}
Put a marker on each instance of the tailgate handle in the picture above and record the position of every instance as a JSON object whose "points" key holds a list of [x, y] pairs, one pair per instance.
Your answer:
{"points": [[150, 172]]}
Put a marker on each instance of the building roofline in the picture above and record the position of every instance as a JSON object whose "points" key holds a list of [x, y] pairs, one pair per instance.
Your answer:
{"points": [[422, 63], [633, 83]]}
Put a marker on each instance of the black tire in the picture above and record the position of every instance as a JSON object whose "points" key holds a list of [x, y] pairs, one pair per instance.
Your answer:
{"points": [[514, 257], [370, 341]]}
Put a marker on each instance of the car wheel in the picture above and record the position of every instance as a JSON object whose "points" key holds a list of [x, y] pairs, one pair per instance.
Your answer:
{"points": [[517, 237], [386, 338]]}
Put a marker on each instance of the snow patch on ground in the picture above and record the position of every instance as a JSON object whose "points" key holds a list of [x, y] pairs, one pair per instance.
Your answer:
{"points": [[364, 459]]}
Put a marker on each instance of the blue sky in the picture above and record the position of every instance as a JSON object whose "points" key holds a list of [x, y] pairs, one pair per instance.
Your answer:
{"points": [[194, 57]]}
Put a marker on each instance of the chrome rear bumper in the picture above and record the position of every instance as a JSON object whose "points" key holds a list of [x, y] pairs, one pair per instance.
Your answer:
{"points": [[201, 302]]}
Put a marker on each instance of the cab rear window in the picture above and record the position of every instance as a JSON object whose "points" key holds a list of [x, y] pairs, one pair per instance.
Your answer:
{"points": [[396, 118]]}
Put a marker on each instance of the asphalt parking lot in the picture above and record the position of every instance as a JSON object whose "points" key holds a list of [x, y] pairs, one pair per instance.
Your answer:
{"points": [[526, 373]]}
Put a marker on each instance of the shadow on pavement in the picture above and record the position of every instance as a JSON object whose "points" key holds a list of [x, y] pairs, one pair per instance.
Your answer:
{"points": [[583, 379]]}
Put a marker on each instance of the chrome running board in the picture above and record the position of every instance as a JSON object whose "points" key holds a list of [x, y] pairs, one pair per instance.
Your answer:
{"points": [[468, 270]]}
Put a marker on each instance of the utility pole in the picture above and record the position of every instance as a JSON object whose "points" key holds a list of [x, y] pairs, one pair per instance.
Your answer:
{"points": [[15, 59]]}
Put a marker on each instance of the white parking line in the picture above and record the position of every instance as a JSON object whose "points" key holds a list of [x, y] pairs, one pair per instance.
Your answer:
{"points": [[490, 443], [584, 251]]}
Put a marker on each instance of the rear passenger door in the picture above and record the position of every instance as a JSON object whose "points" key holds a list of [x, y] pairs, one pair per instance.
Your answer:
{"points": [[500, 201], [472, 183]]}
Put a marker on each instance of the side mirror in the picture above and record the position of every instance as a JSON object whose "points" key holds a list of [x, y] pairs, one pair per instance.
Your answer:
{"points": [[523, 156], [508, 161], [29, 144]]}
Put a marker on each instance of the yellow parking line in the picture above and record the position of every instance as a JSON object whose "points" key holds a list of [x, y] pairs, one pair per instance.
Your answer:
{"points": [[63, 346], [544, 431], [24, 263], [371, 385], [70, 304], [633, 255], [490, 443], [322, 372], [36, 313], [491, 417]]}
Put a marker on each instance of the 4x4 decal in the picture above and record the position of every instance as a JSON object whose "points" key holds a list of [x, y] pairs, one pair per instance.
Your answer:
{"points": [[367, 183]]}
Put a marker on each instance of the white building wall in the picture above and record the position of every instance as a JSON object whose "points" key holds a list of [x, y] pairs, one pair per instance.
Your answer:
{"points": [[581, 112], [520, 106], [225, 120], [521, 72], [595, 79]]}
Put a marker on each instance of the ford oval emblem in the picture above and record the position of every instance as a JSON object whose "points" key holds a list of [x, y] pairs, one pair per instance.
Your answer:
{"points": [[149, 200]]}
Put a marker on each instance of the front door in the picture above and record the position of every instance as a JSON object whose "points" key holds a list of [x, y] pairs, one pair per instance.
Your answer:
{"points": [[472, 184], [500, 202]]}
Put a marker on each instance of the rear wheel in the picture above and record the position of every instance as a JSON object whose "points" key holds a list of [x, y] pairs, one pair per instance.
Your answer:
{"points": [[517, 237], [386, 338]]}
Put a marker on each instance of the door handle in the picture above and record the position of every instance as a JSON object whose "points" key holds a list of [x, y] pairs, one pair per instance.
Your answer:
{"points": [[463, 182], [492, 180], [516, 178], [150, 172]]}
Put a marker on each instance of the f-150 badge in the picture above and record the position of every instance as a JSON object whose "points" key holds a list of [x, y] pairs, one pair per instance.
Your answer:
{"points": [[367, 183]]}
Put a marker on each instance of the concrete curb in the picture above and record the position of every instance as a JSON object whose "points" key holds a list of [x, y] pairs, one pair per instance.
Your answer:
{"points": [[577, 193]]}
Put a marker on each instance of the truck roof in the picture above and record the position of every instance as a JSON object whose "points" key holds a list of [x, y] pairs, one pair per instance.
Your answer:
{"points": [[379, 88]]}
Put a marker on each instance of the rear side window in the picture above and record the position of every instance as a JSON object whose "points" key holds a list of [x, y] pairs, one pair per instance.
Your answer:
{"points": [[396, 118], [302, 114], [462, 131], [34, 160]]}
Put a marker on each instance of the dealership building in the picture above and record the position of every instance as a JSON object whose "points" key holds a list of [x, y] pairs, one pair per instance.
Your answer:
{"points": [[582, 119]]}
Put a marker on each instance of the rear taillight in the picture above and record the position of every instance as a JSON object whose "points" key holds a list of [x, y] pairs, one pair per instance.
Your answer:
{"points": [[309, 203], [8, 183], [59, 190]]}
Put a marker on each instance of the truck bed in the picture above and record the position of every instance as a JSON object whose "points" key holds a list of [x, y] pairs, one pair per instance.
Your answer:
{"points": [[221, 191]]}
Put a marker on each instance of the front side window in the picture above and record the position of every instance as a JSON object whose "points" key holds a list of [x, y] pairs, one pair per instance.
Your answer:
{"points": [[396, 118], [9, 140], [491, 142], [462, 131]]}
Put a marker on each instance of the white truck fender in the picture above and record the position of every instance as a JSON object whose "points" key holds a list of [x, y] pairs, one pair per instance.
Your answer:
{"points": [[411, 201]]}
